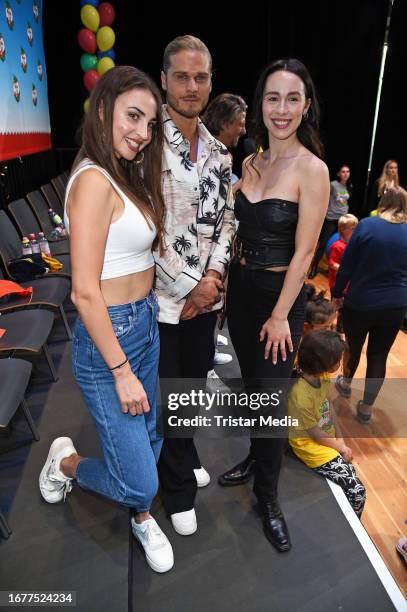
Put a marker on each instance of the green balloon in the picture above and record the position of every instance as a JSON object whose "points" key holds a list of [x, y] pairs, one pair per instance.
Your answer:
{"points": [[88, 62]]}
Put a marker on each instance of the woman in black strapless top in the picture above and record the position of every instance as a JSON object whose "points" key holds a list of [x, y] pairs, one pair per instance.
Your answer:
{"points": [[280, 208]]}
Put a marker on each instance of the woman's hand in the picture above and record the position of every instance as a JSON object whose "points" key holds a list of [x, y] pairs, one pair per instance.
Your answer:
{"points": [[131, 392], [278, 335]]}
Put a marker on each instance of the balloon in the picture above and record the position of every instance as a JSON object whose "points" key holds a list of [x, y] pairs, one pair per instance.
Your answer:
{"points": [[88, 62], [109, 53], [90, 78], [87, 40], [107, 14], [86, 105], [94, 3], [90, 17], [104, 65], [105, 38]]}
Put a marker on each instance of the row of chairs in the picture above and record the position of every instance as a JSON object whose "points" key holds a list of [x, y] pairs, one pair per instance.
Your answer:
{"points": [[28, 321]]}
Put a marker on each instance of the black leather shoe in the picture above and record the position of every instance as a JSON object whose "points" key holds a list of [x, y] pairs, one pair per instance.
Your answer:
{"points": [[275, 527], [241, 473]]}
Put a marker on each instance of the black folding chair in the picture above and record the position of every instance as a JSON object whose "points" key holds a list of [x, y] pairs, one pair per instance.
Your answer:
{"points": [[59, 186], [26, 222], [52, 199], [14, 376], [10, 247], [27, 332], [48, 294]]}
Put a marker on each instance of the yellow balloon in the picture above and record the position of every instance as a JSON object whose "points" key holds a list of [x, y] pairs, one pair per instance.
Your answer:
{"points": [[105, 38], [90, 17], [105, 64], [86, 105]]}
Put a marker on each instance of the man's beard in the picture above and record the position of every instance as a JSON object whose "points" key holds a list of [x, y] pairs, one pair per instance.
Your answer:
{"points": [[188, 113]]}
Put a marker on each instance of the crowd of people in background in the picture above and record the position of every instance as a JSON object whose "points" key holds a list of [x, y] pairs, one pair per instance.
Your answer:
{"points": [[179, 240]]}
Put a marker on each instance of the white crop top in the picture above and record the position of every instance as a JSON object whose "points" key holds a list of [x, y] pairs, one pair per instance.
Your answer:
{"points": [[129, 241]]}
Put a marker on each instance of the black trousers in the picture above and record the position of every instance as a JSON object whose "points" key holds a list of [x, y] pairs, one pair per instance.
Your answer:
{"points": [[382, 326], [329, 227], [187, 351], [251, 297]]}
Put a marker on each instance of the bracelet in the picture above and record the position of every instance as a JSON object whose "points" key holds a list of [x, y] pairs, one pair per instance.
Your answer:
{"points": [[120, 365]]}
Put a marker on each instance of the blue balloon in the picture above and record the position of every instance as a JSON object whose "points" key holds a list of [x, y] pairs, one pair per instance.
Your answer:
{"points": [[94, 3], [109, 53], [330, 242]]}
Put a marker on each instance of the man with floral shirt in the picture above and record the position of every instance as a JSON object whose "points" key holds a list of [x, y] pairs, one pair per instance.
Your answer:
{"points": [[189, 276]]}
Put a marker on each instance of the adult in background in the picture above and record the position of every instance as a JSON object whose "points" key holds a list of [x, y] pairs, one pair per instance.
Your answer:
{"points": [[189, 276], [225, 118], [371, 283], [389, 179], [280, 208], [116, 181], [340, 193]]}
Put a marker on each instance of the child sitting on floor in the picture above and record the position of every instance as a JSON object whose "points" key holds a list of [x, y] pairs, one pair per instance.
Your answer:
{"points": [[317, 439]]}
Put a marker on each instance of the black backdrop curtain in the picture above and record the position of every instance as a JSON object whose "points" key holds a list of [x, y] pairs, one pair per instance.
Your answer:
{"points": [[341, 44]]}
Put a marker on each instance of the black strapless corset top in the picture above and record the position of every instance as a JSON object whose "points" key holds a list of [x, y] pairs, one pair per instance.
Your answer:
{"points": [[266, 232]]}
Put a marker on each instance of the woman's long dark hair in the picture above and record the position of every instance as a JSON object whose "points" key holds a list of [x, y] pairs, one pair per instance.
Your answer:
{"points": [[140, 181], [308, 130]]}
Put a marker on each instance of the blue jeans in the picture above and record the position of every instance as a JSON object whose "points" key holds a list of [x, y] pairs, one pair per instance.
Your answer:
{"points": [[131, 448]]}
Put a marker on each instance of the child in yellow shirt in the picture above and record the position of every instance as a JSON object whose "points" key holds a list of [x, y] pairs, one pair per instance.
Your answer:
{"points": [[317, 439]]}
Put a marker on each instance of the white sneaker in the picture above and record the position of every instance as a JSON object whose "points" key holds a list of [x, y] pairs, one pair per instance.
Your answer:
{"points": [[202, 477], [222, 358], [221, 340], [212, 374], [157, 547], [54, 485], [184, 523]]}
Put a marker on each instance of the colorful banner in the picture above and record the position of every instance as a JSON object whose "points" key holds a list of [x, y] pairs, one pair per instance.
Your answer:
{"points": [[24, 115]]}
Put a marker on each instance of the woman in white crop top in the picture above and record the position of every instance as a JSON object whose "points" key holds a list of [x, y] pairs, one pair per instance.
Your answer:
{"points": [[114, 210]]}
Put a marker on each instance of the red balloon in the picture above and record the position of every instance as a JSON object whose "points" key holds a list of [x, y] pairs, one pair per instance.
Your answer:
{"points": [[90, 78], [107, 14], [87, 40]]}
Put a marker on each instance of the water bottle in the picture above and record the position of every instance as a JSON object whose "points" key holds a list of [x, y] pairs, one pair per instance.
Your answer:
{"points": [[26, 246], [57, 221], [43, 242], [35, 247]]}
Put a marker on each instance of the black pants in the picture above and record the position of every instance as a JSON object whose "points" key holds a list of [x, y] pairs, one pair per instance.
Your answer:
{"points": [[329, 227], [251, 297], [187, 351], [382, 326], [344, 474]]}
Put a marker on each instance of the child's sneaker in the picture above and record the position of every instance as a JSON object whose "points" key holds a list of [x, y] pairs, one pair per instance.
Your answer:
{"points": [[342, 386], [157, 547], [54, 485]]}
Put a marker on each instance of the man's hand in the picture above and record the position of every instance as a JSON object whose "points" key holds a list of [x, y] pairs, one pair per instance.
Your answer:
{"points": [[190, 310], [206, 292]]}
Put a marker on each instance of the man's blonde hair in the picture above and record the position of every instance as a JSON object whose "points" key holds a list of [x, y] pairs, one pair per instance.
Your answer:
{"points": [[184, 43]]}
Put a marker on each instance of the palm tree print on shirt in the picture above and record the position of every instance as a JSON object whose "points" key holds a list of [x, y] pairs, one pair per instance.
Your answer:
{"points": [[192, 260], [223, 175], [181, 244], [185, 160]]}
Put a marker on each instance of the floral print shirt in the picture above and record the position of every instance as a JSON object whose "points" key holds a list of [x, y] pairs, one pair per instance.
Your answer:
{"points": [[200, 222]]}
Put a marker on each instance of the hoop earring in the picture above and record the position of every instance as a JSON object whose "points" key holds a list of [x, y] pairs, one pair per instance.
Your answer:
{"points": [[139, 161]]}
